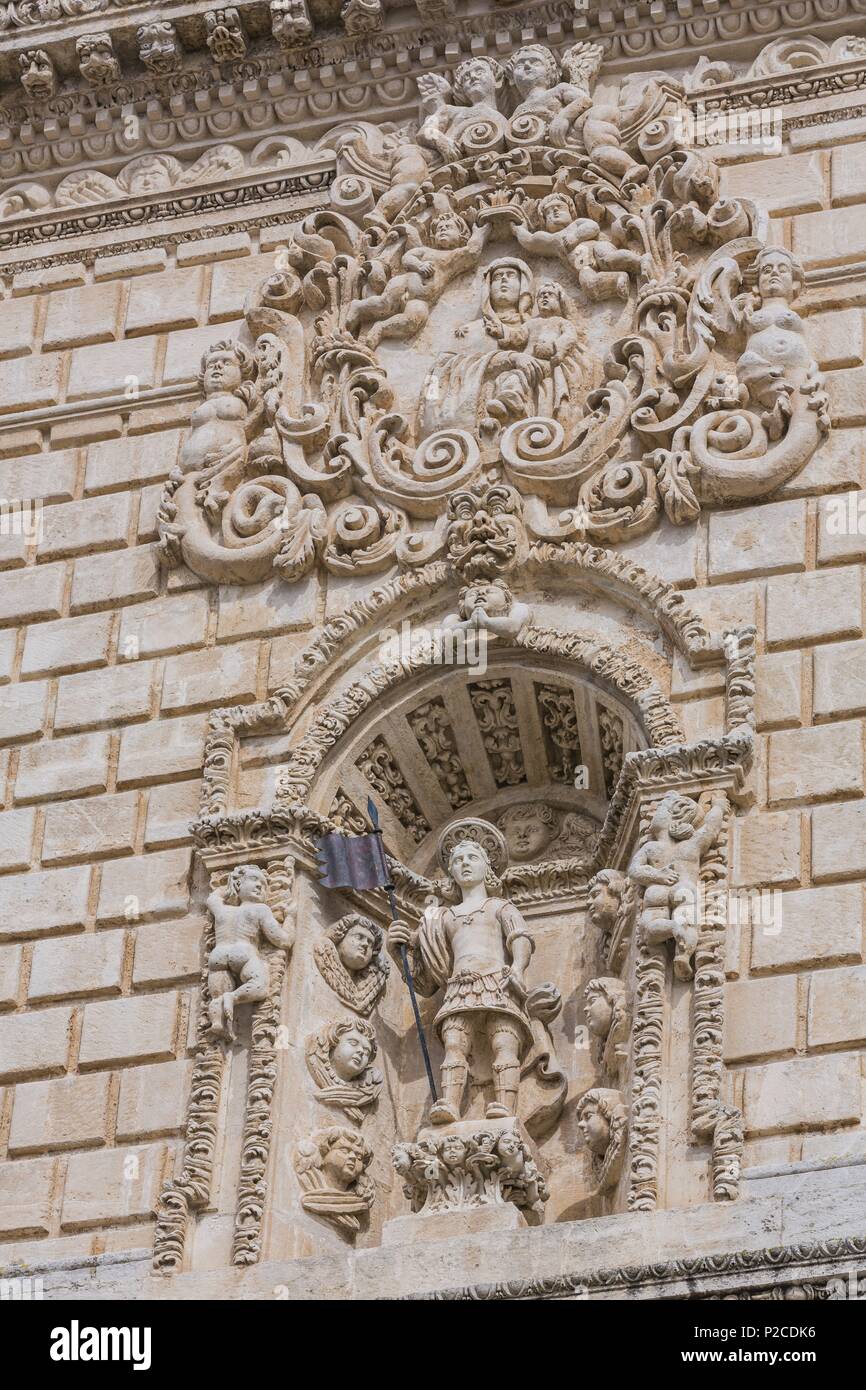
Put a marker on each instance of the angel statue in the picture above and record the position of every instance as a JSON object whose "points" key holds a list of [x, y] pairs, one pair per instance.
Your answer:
{"points": [[477, 947]]}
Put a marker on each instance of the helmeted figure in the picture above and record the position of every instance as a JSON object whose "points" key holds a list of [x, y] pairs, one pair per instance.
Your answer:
{"points": [[478, 951]]}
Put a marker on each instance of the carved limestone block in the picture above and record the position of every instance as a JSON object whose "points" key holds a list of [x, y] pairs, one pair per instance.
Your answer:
{"points": [[339, 1059], [158, 47], [350, 960], [38, 75], [224, 35], [237, 972], [469, 1166], [290, 22], [603, 1122], [362, 16], [331, 1167], [96, 59], [666, 870]]}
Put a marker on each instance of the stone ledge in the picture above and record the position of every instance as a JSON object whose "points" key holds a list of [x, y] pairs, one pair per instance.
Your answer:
{"points": [[790, 1234]]}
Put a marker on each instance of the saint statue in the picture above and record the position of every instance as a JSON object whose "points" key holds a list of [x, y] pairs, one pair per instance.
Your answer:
{"points": [[477, 947]]}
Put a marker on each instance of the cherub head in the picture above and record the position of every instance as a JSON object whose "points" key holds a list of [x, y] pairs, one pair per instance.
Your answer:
{"points": [[227, 368], [556, 212], [529, 829], [453, 1151], [510, 1150], [358, 940], [247, 884], [491, 595], [351, 1048], [448, 231], [604, 893], [532, 67], [780, 275], [478, 81], [604, 1003], [550, 300], [600, 1117], [679, 815], [343, 1155]]}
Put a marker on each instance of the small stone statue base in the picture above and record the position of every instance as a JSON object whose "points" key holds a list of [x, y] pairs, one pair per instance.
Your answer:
{"points": [[469, 1176]]}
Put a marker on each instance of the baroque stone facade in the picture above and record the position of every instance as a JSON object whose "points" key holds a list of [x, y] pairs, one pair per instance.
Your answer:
{"points": [[459, 407]]}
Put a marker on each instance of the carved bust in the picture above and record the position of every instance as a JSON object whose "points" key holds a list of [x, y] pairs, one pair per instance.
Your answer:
{"points": [[603, 1122], [339, 1059], [607, 1019], [350, 959]]}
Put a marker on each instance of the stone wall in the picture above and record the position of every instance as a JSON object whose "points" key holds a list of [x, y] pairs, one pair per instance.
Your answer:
{"points": [[111, 663]]}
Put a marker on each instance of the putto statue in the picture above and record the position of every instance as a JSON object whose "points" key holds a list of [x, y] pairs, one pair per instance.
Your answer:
{"points": [[667, 868], [477, 947], [237, 972]]}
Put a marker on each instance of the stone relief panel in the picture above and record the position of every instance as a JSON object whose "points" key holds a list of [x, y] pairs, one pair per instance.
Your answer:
{"points": [[632, 347]]}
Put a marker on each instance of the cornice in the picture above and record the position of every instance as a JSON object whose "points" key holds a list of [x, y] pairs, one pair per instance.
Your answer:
{"points": [[739, 1273], [337, 77]]}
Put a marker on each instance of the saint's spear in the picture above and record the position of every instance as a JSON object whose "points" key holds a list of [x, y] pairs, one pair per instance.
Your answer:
{"points": [[358, 861]]}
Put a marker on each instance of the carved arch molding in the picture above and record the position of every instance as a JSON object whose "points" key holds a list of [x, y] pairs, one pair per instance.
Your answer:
{"points": [[391, 727]]}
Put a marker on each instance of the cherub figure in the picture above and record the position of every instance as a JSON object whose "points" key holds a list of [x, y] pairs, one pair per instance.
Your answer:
{"points": [[602, 1119], [339, 1059], [489, 606], [607, 1019], [477, 84], [350, 959], [331, 1167], [529, 828], [403, 307], [595, 123], [602, 270], [237, 972], [222, 426], [777, 356], [667, 867], [519, 1178], [534, 73]]}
